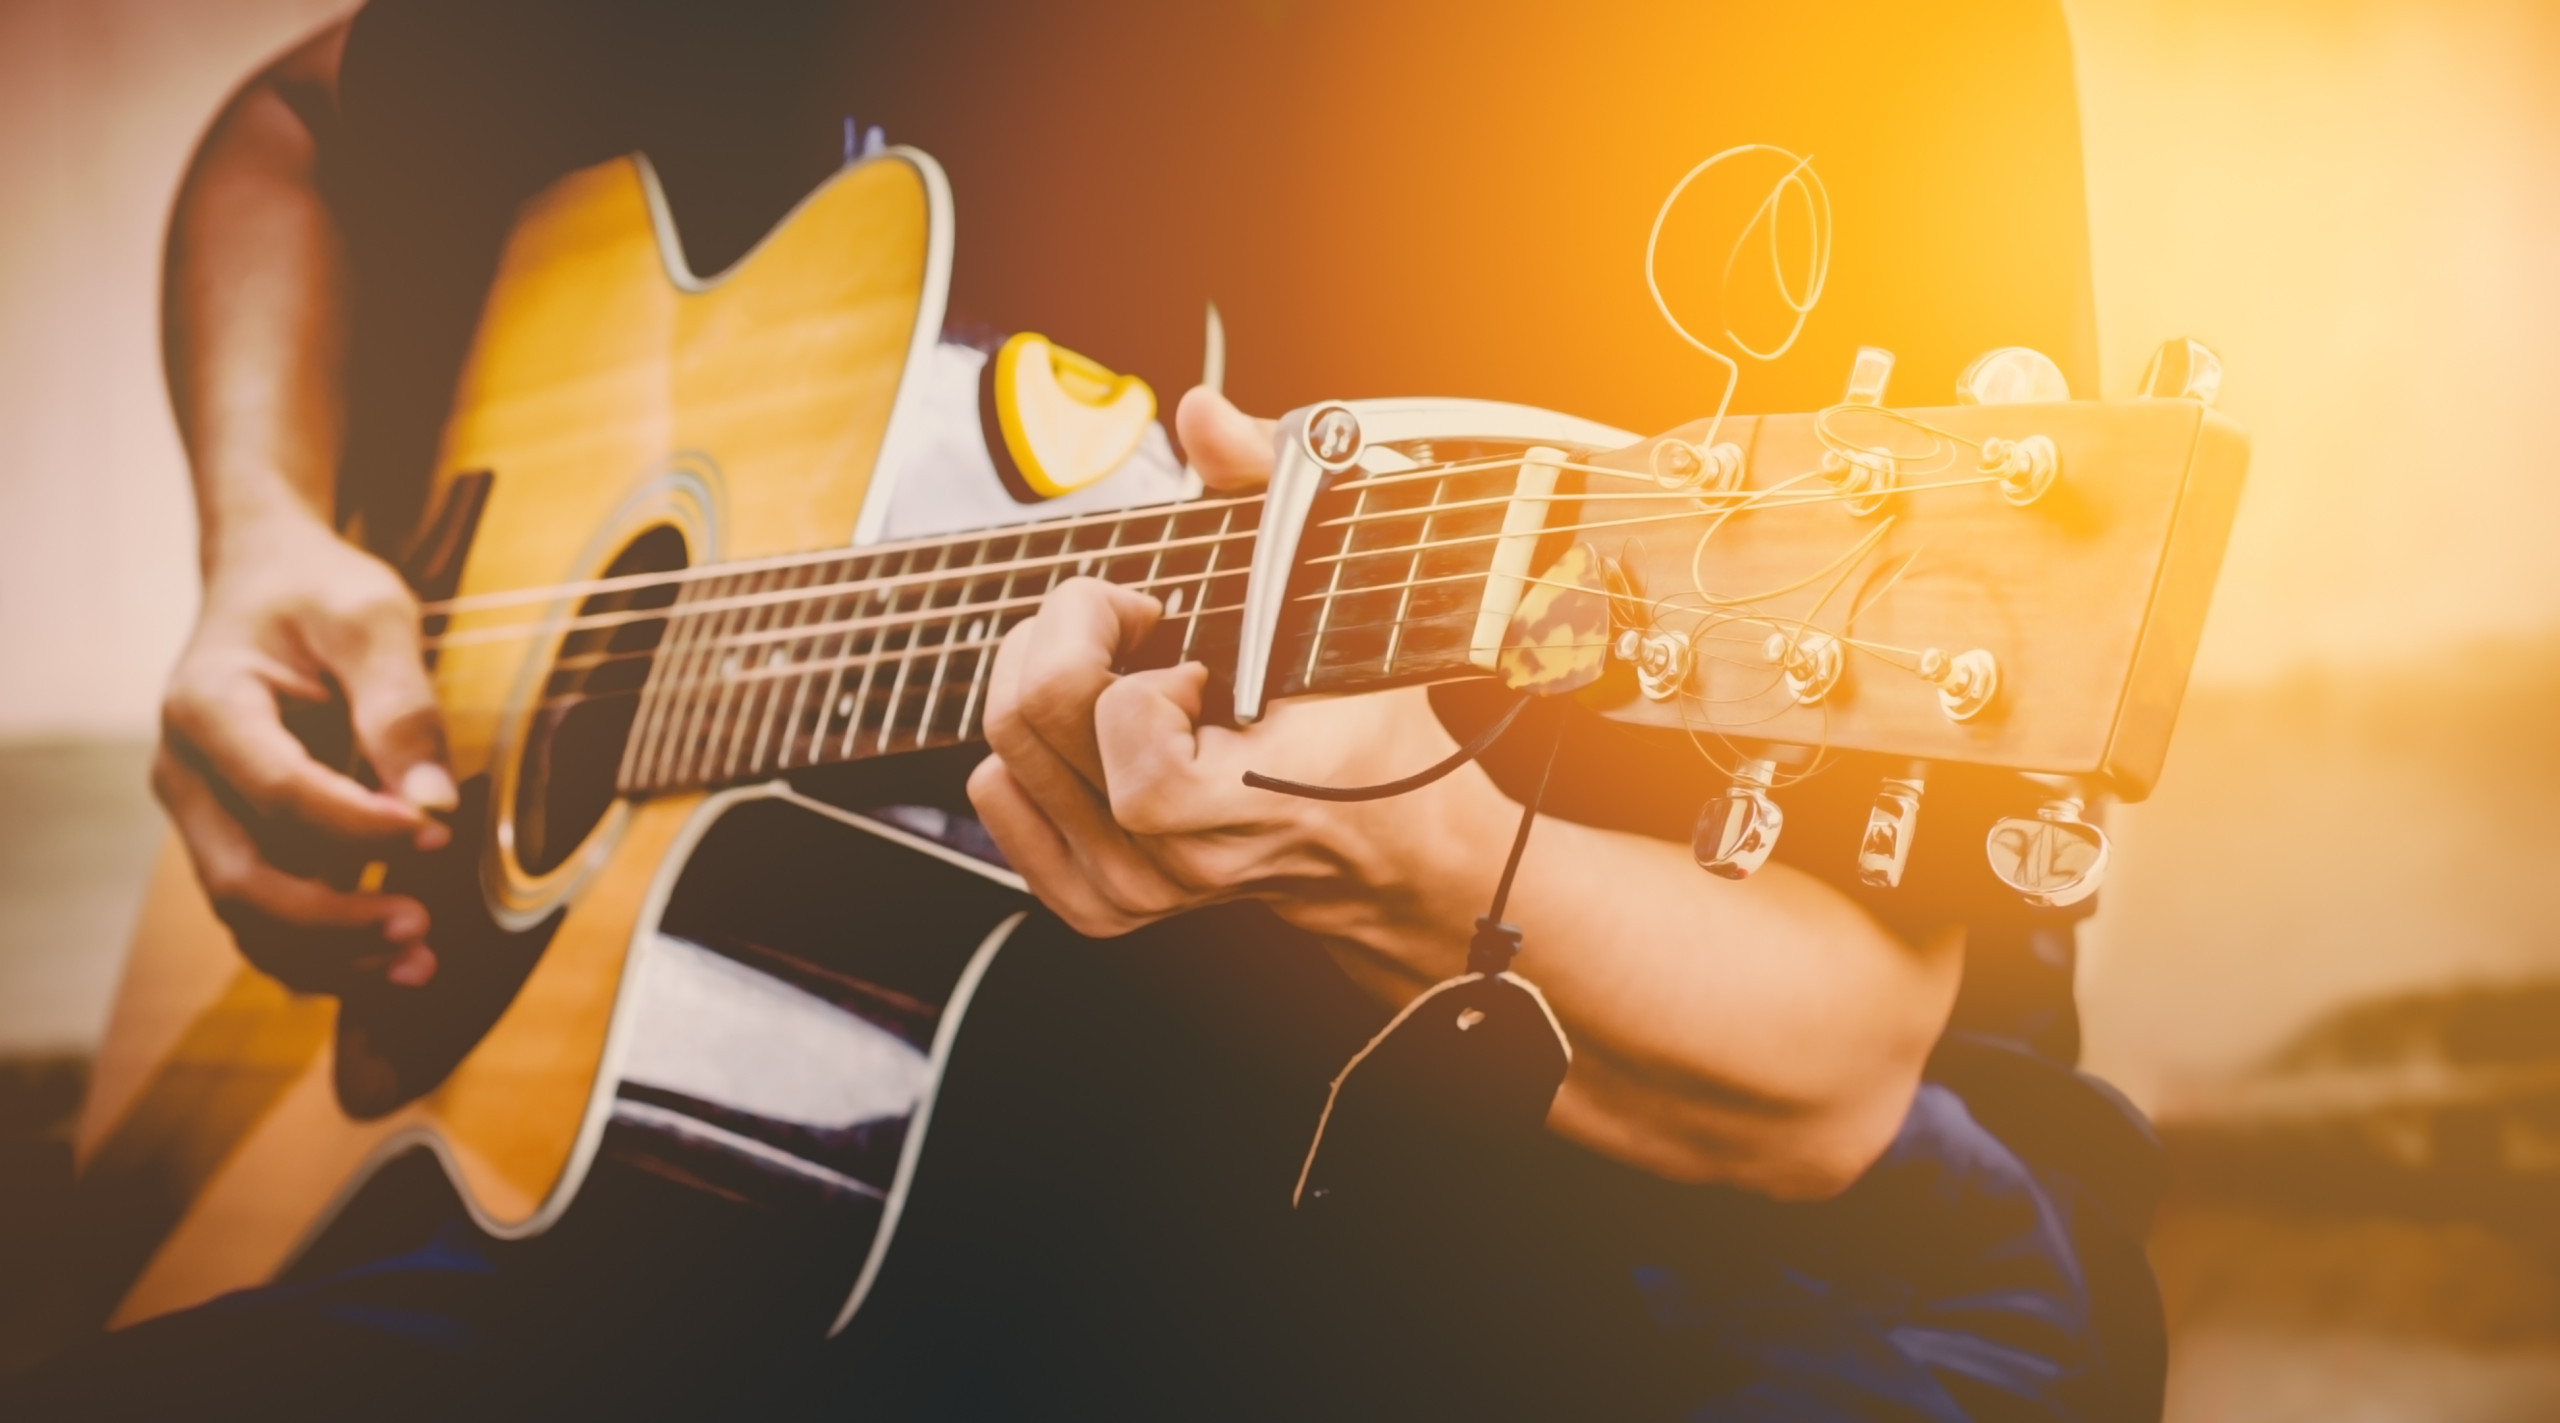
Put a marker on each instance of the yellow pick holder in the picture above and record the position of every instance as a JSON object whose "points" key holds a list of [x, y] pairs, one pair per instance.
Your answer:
{"points": [[1066, 419]]}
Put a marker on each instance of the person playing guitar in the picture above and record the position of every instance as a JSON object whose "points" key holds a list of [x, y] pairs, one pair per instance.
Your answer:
{"points": [[1808, 1193]]}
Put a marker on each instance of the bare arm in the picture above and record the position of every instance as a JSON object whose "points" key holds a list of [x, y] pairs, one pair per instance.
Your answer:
{"points": [[255, 322], [1767, 1034]]}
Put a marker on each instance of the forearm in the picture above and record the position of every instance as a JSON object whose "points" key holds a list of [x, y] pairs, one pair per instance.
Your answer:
{"points": [[1766, 1033], [254, 309]]}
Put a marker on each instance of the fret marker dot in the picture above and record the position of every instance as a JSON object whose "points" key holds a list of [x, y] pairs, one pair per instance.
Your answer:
{"points": [[1173, 604], [844, 705]]}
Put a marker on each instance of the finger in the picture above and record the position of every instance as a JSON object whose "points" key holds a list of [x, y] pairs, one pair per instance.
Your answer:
{"points": [[1033, 762], [240, 881], [376, 658], [1146, 726], [1040, 853], [1066, 799], [226, 715], [1084, 627], [1228, 448]]}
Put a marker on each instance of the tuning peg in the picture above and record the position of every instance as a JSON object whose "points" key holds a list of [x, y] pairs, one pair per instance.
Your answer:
{"points": [[1885, 849], [1966, 682], [1739, 827], [1677, 464], [1810, 662], [2012, 375], [1661, 657], [2184, 368], [2025, 468], [2054, 860], [1867, 376]]}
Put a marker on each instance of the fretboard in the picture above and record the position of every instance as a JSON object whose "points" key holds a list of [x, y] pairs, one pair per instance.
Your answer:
{"points": [[888, 650]]}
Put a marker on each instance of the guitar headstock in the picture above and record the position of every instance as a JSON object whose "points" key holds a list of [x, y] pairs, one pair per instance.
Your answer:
{"points": [[2018, 585]]}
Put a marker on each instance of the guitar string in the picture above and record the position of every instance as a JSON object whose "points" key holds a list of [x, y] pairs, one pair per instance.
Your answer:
{"points": [[951, 614], [928, 579], [1754, 501], [742, 569], [627, 582], [814, 594]]}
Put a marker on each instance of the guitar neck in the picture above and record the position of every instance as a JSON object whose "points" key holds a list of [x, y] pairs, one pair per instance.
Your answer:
{"points": [[889, 650]]}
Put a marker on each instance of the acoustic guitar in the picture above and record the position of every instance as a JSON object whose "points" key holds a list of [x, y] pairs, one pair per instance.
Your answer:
{"points": [[666, 582]]}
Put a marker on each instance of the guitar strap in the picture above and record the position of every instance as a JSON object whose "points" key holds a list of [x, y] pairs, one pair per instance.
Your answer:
{"points": [[1469, 1066]]}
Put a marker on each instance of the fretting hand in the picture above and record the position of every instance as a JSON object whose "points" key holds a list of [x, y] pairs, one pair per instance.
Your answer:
{"points": [[1120, 808], [1767, 1034]]}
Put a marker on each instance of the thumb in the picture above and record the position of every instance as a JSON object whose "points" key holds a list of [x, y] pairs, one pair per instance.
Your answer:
{"points": [[397, 723], [1230, 450]]}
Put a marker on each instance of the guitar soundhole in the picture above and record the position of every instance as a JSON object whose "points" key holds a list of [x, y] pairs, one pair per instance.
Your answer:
{"points": [[573, 746]]}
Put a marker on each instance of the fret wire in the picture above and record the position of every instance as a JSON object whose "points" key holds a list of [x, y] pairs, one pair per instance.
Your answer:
{"points": [[835, 677], [748, 692], [870, 668], [746, 699], [987, 640], [735, 697], [806, 726], [1324, 612], [634, 744], [469, 637], [703, 726], [987, 660], [814, 641], [1226, 518], [660, 703], [898, 685], [739, 569], [942, 664], [687, 712], [750, 639], [796, 615], [1413, 570]]}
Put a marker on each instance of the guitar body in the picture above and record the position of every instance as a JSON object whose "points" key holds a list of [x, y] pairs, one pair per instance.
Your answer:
{"points": [[616, 413]]}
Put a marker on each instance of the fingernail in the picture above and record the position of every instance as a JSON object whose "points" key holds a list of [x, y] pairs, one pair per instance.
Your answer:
{"points": [[414, 968], [429, 786], [434, 835], [405, 923]]}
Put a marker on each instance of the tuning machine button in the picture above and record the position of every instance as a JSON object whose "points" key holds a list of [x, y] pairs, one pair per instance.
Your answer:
{"points": [[1868, 373], [1966, 682], [2053, 860], [1739, 827], [2025, 468], [1885, 850], [1810, 663], [1677, 464], [2183, 369], [2012, 375], [1662, 659]]}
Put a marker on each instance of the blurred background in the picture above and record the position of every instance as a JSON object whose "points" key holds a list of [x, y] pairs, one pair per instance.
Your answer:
{"points": [[2327, 962]]}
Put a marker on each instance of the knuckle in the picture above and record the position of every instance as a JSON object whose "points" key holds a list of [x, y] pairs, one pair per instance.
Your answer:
{"points": [[1142, 897], [228, 877], [1144, 806], [266, 786]]}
